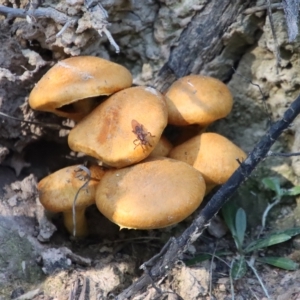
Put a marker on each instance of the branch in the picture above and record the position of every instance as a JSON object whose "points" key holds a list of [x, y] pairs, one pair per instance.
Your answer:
{"points": [[38, 13], [284, 154], [197, 44], [98, 16], [276, 47], [291, 10], [164, 261], [256, 9]]}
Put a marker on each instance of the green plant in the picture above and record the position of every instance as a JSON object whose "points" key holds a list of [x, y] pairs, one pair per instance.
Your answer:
{"points": [[247, 255], [273, 184]]}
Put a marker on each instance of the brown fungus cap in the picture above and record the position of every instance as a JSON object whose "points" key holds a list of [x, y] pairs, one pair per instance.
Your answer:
{"points": [[62, 89], [212, 154], [57, 192], [124, 129], [155, 193], [163, 148], [197, 99]]}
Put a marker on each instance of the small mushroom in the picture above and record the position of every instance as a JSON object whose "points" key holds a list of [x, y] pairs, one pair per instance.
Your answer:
{"points": [[154, 193], [58, 190], [69, 88], [163, 148], [197, 99], [124, 129], [212, 154]]}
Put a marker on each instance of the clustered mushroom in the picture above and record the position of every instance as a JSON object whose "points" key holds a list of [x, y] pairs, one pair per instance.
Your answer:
{"points": [[72, 87], [197, 99], [212, 154], [123, 129], [57, 192], [146, 183], [154, 193]]}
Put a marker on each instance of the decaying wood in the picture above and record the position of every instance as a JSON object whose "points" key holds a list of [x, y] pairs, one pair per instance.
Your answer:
{"points": [[98, 16], [200, 42]]}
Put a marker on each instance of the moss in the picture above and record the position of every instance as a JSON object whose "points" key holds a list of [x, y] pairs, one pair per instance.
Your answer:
{"points": [[17, 260]]}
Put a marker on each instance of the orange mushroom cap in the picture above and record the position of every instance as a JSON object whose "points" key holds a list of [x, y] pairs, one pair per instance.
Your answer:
{"points": [[124, 129], [212, 154], [57, 192], [154, 193], [197, 99], [62, 89], [163, 148]]}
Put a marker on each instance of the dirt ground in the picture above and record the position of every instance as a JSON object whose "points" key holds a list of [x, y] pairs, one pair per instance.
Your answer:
{"points": [[38, 259]]}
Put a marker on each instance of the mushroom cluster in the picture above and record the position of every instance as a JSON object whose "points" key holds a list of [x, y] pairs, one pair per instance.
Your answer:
{"points": [[146, 183]]}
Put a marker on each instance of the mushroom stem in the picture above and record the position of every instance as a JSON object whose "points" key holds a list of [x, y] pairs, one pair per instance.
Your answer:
{"points": [[85, 105], [81, 222]]}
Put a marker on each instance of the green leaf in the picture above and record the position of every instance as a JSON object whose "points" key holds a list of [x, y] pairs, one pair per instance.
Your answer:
{"points": [[205, 256], [266, 242], [198, 259], [229, 212], [290, 231], [273, 184], [279, 262], [293, 191], [238, 268], [240, 226]]}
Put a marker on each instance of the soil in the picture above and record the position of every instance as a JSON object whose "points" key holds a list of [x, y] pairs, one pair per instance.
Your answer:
{"points": [[38, 259]]}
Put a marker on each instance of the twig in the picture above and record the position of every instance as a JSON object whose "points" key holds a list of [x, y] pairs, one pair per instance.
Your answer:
{"points": [[253, 293], [74, 289], [253, 10], [88, 172], [265, 214], [86, 262], [29, 295], [148, 238], [38, 13], [163, 262], [52, 126], [291, 12], [276, 48], [98, 16], [110, 39], [231, 281], [264, 100], [84, 289], [149, 263], [251, 265], [65, 27], [270, 153], [211, 271]]}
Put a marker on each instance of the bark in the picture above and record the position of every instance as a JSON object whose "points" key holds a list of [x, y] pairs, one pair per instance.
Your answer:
{"points": [[201, 41]]}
